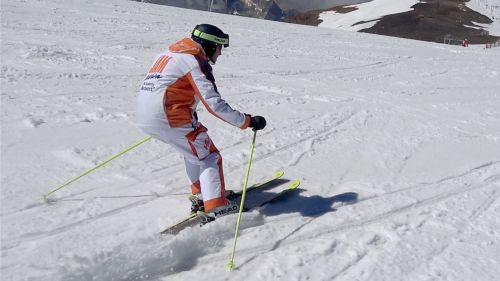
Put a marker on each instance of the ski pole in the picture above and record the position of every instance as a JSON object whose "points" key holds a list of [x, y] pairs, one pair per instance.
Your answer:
{"points": [[96, 167], [230, 264]]}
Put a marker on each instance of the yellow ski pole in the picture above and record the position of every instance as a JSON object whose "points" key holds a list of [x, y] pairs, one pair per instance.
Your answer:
{"points": [[96, 167], [230, 264]]}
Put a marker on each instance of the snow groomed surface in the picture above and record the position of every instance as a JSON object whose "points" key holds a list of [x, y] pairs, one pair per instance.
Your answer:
{"points": [[410, 130]]}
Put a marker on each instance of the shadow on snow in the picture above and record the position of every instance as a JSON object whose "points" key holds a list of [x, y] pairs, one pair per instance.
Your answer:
{"points": [[294, 202]]}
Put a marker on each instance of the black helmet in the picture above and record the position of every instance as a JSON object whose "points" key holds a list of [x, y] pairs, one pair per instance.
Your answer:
{"points": [[209, 37]]}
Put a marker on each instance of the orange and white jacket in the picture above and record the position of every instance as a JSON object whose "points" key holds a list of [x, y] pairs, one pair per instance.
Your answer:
{"points": [[176, 82]]}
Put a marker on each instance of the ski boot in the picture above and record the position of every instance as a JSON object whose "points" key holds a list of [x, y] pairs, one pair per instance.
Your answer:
{"points": [[196, 203], [206, 217]]}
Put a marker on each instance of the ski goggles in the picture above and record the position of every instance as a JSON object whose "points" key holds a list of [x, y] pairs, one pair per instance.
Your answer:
{"points": [[221, 40]]}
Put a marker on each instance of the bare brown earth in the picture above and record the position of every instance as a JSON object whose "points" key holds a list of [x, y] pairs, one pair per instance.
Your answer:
{"points": [[312, 17], [429, 21]]}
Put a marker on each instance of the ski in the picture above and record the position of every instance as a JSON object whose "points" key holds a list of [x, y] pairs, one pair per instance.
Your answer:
{"points": [[262, 184], [190, 220], [292, 186]]}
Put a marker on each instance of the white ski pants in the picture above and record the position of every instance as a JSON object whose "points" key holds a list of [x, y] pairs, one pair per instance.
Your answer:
{"points": [[202, 160]]}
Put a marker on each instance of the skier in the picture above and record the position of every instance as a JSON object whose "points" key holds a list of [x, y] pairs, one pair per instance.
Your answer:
{"points": [[465, 43], [178, 80]]}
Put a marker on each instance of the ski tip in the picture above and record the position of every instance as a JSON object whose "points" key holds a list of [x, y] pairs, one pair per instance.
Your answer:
{"points": [[294, 185], [279, 173]]}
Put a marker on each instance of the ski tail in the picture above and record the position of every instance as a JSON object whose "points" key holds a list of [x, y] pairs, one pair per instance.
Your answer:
{"points": [[173, 229]]}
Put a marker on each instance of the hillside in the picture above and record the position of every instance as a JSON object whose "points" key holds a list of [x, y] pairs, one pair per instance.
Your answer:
{"points": [[422, 20], [396, 142], [269, 9]]}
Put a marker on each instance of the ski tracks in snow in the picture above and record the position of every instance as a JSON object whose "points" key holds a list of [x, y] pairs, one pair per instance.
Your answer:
{"points": [[357, 114], [429, 210], [362, 237]]}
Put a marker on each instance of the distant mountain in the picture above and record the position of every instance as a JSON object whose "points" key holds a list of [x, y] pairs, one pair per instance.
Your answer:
{"points": [[269, 10], [263, 9], [491, 9], [430, 20], [310, 5]]}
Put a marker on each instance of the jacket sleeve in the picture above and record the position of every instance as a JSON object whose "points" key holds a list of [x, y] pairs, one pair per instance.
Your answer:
{"points": [[203, 83]]}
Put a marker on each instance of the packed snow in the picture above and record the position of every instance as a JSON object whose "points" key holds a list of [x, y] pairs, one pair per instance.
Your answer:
{"points": [[396, 142], [489, 8], [368, 13]]}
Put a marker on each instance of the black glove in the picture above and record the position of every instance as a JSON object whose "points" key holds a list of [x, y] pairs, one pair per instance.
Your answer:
{"points": [[257, 122]]}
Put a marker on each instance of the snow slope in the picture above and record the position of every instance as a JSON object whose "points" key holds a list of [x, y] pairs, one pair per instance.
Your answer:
{"points": [[369, 12], [397, 144], [489, 8]]}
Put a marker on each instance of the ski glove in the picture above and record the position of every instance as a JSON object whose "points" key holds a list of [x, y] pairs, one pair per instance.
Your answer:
{"points": [[257, 122]]}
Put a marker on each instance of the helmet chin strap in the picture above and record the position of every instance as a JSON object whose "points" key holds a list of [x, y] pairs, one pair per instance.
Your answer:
{"points": [[210, 60]]}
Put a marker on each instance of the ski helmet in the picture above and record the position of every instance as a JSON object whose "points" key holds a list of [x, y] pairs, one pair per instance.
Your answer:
{"points": [[209, 37]]}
